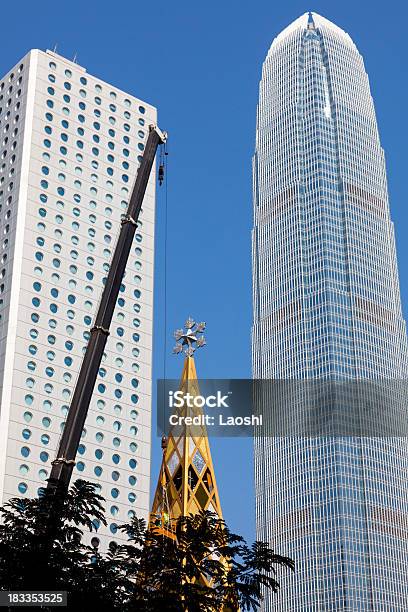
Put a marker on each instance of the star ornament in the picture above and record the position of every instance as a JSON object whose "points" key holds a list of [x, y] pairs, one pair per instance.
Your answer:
{"points": [[190, 338]]}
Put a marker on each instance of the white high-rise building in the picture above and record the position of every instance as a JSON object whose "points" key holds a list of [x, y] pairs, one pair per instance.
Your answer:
{"points": [[70, 147]]}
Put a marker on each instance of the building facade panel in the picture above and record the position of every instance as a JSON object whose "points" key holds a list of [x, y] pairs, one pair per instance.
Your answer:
{"points": [[66, 179]]}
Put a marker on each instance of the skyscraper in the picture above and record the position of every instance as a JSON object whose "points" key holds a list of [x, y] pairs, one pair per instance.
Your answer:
{"points": [[69, 151], [327, 306]]}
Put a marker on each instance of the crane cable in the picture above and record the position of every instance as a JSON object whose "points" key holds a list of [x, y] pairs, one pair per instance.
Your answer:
{"points": [[164, 165], [163, 176]]}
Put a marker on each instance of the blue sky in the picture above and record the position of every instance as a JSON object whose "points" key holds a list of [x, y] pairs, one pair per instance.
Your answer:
{"points": [[200, 65]]}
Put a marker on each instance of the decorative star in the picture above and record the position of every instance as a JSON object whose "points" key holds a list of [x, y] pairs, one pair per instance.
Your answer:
{"points": [[191, 339]]}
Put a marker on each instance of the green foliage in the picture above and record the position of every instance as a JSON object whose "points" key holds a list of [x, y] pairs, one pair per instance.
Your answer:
{"points": [[206, 568]]}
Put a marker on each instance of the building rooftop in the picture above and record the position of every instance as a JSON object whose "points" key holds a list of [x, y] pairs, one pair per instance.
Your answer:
{"points": [[309, 21]]}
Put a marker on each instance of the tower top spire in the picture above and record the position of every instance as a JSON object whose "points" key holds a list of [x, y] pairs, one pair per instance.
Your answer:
{"points": [[186, 482], [310, 21]]}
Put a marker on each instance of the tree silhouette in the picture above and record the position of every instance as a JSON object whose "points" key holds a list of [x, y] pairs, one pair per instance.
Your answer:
{"points": [[206, 568]]}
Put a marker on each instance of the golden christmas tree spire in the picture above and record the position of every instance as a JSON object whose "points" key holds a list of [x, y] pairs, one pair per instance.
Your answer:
{"points": [[186, 482]]}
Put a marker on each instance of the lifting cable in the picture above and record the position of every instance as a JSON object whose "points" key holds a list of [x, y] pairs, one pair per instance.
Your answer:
{"points": [[163, 176]]}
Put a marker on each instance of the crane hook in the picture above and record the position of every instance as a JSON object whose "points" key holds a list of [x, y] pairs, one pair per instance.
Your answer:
{"points": [[161, 174], [163, 153]]}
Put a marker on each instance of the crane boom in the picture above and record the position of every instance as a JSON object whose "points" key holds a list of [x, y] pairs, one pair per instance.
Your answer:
{"points": [[64, 463]]}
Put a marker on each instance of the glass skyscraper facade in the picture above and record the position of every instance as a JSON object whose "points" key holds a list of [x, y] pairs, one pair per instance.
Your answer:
{"points": [[327, 307]]}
